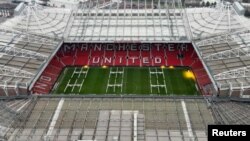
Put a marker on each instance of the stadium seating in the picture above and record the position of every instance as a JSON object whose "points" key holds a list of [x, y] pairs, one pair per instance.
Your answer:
{"points": [[110, 58], [48, 77], [158, 51], [172, 58], [233, 112], [120, 57], [132, 55]]}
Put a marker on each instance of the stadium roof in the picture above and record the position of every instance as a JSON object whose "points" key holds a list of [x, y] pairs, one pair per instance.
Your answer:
{"points": [[22, 55], [86, 118], [205, 22], [127, 20], [34, 18], [227, 57], [110, 21], [125, 119]]}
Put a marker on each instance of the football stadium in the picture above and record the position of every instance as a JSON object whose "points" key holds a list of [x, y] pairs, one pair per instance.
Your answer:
{"points": [[122, 70]]}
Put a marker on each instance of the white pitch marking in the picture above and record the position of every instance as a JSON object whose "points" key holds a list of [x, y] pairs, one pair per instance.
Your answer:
{"points": [[189, 127], [150, 80], [108, 80], [55, 117], [164, 82], [122, 78], [86, 73], [158, 88]]}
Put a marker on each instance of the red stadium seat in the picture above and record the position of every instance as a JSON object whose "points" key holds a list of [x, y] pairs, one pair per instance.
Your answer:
{"points": [[98, 55]]}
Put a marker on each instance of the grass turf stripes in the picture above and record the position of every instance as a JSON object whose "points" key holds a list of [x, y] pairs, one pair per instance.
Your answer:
{"points": [[125, 80]]}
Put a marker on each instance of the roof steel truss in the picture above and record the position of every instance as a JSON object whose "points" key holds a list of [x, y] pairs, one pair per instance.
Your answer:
{"points": [[233, 53], [224, 37], [128, 23], [14, 72], [13, 51], [236, 73]]}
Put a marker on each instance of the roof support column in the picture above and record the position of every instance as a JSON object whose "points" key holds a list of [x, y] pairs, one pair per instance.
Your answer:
{"points": [[16, 88], [5, 89], [231, 89], [241, 90]]}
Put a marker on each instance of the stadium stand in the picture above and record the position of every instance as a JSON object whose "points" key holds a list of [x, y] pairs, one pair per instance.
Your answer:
{"points": [[231, 112], [49, 77], [123, 21], [10, 111], [21, 59], [227, 59], [38, 42], [110, 118], [125, 54]]}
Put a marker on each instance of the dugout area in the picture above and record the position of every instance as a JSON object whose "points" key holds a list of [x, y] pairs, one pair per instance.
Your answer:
{"points": [[126, 80]]}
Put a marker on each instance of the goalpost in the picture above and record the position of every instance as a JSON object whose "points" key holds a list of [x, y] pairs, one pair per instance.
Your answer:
{"points": [[77, 80], [113, 74], [153, 72]]}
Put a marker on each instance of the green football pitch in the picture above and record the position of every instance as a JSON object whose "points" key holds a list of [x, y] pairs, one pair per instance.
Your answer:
{"points": [[126, 80]]}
